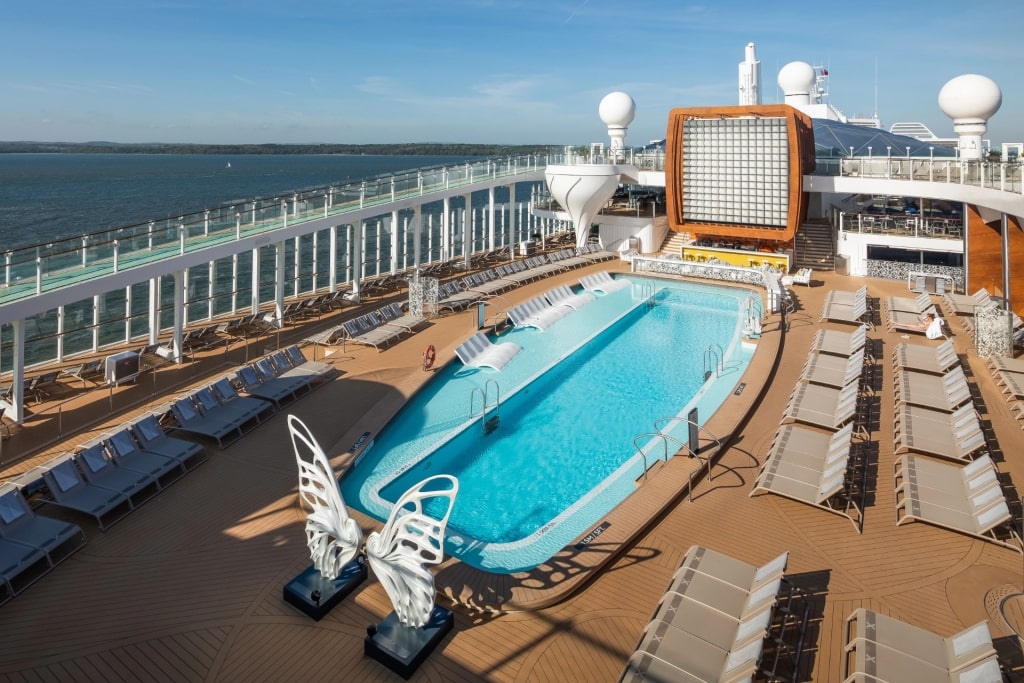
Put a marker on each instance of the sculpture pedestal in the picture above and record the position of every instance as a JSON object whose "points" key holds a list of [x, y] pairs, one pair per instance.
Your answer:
{"points": [[403, 648], [315, 596]]}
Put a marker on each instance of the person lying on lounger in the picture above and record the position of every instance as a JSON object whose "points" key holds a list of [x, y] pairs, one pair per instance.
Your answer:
{"points": [[931, 324]]}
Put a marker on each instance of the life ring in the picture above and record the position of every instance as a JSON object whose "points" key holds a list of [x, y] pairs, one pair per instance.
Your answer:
{"points": [[428, 357]]}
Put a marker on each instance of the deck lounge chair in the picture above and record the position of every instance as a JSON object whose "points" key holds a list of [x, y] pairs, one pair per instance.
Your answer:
{"points": [[277, 392], [87, 372], [803, 277], [942, 392], [1010, 383], [821, 406], [924, 431], [886, 649], [360, 331], [855, 313], [905, 321], [20, 566], [455, 297], [479, 351], [242, 416], [124, 450], [918, 305], [19, 523], [936, 360], [537, 313], [973, 477], [839, 343], [564, 296], [964, 304], [152, 438], [298, 360], [728, 569], [396, 317], [833, 371], [978, 512], [603, 282], [696, 658], [224, 427], [68, 489], [847, 298], [100, 470]]}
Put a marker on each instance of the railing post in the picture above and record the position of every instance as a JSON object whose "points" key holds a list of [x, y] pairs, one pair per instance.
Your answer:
{"points": [[85, 241], [116, 254], [39, 274], [238, 225], [7, 269]]}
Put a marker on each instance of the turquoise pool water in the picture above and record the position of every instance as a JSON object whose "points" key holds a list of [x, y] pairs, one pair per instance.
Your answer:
{"points": [[561, 453]]}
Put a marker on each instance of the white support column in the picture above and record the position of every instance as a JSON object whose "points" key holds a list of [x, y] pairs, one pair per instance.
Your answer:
{"points": [[255, 304], [234, 283], [211, 278], [315, 259], [356, 247], [446, 222], [60, 332], [467, 231], [95, 322], [417, 235], [179, 313], [349, 272], [510, 228], [279, 266], [397, 240], [184, 306], [127, 321], [17, 398], [296, 258], [490, 219], [154, 310], [430, 238], [332, 261]]}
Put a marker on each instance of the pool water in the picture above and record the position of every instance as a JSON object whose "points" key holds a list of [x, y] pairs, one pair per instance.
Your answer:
{"points": [[560, 453]]}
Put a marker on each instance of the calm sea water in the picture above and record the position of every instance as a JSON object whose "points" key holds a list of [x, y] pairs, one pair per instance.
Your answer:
{"points": [[48, 196]]}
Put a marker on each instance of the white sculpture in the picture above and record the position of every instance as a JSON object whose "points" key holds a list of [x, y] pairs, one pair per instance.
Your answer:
{"points": [[398, 554]]}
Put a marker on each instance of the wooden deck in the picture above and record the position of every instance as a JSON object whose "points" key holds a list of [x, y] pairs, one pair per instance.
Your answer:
{"points": [[188, 588]]}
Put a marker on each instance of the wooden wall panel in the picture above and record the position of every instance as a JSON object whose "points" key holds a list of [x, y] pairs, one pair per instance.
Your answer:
{"points": [[985, 258]]}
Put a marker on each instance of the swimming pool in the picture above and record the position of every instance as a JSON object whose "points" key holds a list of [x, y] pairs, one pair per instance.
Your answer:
{"points": [[561, 453]]}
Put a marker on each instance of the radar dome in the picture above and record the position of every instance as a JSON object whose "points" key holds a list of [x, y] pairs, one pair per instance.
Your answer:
{"points": [[617, 109], [970, 97], [796, 78]]}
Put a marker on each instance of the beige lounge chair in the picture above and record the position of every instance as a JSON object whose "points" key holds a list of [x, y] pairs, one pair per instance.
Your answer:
{"points": [[826, 407], [855, 313], [974, 513], [919, 305], [712, 626], [964, 304], [954, 497], [728, 569], [905, 321], [1011, 383], [958, 439], [801, 446], [839, 343], [972, 478], [833, 371], [699, 658], [1002, 363], [839, 296], [830, 494], [732, 601], [936, 360], [942, 392], [886, 649]]}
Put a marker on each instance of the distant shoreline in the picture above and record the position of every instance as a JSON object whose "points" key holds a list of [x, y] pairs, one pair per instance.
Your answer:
{"points": [[404, 149]]}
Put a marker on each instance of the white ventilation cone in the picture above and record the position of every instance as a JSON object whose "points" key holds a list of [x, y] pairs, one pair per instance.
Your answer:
{"points": [[582, 191]]}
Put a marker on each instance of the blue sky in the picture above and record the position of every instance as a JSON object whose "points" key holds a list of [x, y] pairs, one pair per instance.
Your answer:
{"points": [[482, 71]]}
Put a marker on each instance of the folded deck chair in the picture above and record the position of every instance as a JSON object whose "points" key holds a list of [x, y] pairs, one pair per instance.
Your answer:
{"points": [[821, 406], [564, 296], [124, 450], [603, 282], [152, 438], [479, 351], [19, 523], [839, 343], [833, 371], [69, 490], [934, 360], [887, 649], [98, 469], [942, 392]]}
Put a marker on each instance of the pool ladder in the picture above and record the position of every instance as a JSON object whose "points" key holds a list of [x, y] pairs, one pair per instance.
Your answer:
{"points": [[487, 425], [714, 361], [682, 446], [647, 293]]}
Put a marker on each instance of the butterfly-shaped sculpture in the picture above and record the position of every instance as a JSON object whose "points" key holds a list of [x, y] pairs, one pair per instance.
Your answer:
{"points": [[398, 553]]}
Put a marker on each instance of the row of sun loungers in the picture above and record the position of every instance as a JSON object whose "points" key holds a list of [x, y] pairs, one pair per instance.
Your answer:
{"points": [[711, 623], [1008, 374], [30, 544], [881, 648]]}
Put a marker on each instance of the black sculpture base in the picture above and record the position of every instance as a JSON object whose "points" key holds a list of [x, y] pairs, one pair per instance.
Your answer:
{"points": [[315, 596], [402, 648]]}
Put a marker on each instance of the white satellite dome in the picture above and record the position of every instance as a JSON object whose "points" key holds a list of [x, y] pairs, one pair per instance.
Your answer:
{"points": [[796, 78], [617, 109], [970, 97]]}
